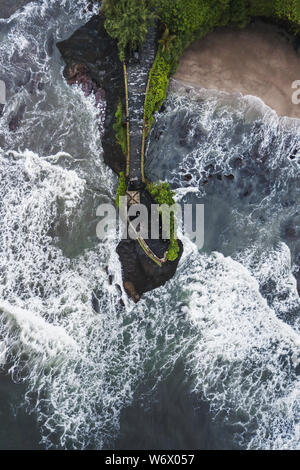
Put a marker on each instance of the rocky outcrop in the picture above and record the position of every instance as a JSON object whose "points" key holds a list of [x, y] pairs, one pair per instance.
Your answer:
{"points": [[79, 75], [14, 120], [92, 63], [140, 273], [91, 58]]}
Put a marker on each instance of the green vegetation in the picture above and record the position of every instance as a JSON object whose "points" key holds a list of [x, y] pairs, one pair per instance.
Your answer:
{"points": [[121, 191], [290, 11], [127, 21], [166, 40], [188, 20], [262, 8], [159, 82], [162, 194], [173, 251], [120, 129], [184, 21]]}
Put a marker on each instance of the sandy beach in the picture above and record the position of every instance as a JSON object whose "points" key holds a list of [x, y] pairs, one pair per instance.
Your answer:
{"points": [[260, 60]]}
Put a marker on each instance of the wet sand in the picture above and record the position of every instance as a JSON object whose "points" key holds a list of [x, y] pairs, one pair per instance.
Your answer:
{"points": [[260, 60]]}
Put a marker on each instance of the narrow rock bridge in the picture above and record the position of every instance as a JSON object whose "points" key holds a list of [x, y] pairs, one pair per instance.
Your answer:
{"points": [[136, 76]]}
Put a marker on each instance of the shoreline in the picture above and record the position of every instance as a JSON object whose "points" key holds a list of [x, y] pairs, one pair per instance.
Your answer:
{"points": [[234, 62], [253, 108]]}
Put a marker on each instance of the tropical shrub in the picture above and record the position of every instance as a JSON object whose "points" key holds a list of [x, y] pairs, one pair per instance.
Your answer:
{"points": [[239, 13], [262, 8], [121, 191], [120, 129], [173, 250], [159, 82], [166, 40], [290, 11], [163, 194], [188, 16], [127, 21]]}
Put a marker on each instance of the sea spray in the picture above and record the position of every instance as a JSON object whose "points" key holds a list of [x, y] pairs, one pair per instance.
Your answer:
{"points": [[245, 360], [242, 162], [236, 335]]}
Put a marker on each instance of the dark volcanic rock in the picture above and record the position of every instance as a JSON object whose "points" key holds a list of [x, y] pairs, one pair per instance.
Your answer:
{"points": [[291, 233], [91, 47], [92, 63], [79, 75], [297, 276], [16, 118], [140, 273]]}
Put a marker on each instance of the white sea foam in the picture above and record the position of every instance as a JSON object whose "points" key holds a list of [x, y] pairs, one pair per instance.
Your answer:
{"points": [[246, 310], [37, 336], [81, 367], [244, 358], [48, 307]]}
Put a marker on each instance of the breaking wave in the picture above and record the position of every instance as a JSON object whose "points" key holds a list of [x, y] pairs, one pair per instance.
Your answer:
{"points": [[231, 313], [238, 158]]}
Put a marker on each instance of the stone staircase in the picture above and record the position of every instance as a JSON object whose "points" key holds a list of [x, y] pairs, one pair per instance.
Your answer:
{"points": [[138, 68]]}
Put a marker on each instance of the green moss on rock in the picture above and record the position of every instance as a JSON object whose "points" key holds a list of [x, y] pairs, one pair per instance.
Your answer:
{"points": [[120, 129], [121, 191], [163, 194]]}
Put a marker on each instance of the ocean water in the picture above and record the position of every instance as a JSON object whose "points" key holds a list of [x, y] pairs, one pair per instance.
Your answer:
{"points": [[209, 361]]}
